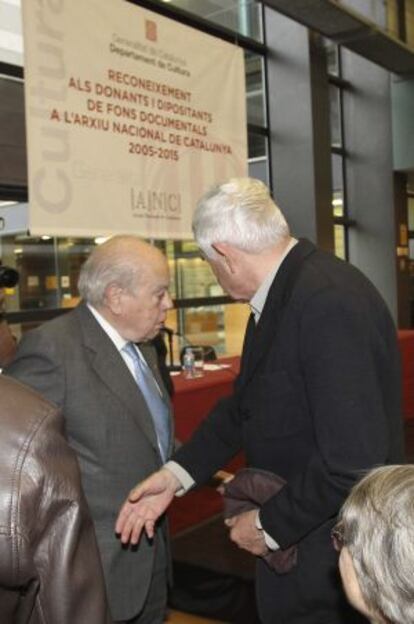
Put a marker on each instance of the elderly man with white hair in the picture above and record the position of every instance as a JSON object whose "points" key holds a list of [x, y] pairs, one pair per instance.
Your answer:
{"points": [[317, 400]]}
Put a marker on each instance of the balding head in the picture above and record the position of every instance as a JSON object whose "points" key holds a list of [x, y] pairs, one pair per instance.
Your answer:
{"points": [[121, 260], [127, 281]]}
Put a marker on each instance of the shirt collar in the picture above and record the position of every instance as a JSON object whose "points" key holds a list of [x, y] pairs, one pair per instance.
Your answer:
{"points": [[109, 330], [257, 302]]}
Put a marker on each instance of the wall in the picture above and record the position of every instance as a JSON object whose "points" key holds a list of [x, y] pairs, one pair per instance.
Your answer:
{"points": [[299, 124], [13, 168]]}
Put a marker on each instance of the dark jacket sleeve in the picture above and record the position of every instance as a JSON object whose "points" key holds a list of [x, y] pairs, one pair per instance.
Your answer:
{"points": [[347, 395], [214, 443]]}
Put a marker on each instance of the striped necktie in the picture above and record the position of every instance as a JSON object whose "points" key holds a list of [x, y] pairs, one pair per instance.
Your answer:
{"points": [[152, 394]]}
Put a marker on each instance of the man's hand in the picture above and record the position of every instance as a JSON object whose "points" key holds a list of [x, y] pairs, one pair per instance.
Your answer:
{"points": [[145, 504], [244, 533]]}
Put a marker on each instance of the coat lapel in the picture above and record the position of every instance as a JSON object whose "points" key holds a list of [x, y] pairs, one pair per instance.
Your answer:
{"points": [[266, 330], [113, 372], [247, 347]]}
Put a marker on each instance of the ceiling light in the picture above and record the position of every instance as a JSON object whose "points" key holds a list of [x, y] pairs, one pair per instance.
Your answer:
{"points": [[100, 239]]}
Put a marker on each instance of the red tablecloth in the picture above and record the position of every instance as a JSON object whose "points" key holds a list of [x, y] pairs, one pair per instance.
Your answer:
{"points": [[192, 402], [406, 340], [194, 398]]}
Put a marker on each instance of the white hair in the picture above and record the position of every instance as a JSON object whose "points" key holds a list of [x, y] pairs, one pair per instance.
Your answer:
{"points": [[378, 527], [113, 262], [239, 212]]}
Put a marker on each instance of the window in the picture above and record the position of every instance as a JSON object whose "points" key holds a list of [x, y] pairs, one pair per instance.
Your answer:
{"points": [[11, 39], [243, 17], [339, 206]]}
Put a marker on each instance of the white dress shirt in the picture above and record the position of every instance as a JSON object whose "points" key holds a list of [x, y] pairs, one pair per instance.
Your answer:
{"points": [[116, 338]]}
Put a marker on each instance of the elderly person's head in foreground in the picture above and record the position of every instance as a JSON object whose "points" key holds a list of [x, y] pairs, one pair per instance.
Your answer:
{"points": [[376, 535]]}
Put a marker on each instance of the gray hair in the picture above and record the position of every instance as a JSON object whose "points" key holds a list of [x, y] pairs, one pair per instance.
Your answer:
{"points": [[239, 212], [113, 262], [378, 527]]}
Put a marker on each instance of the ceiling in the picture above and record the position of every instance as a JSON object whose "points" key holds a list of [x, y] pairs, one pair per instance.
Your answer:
{"points": [[351, 30]]}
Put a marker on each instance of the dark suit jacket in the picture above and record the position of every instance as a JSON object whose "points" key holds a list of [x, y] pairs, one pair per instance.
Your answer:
{"points": [[72, 362], [317, 402]]}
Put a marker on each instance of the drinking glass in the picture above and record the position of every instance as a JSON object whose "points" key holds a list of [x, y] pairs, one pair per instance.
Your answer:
{"points": [[198, 353]]}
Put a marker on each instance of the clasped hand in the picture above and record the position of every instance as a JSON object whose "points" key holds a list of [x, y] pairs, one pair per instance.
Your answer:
{"points": [[245, 534]]}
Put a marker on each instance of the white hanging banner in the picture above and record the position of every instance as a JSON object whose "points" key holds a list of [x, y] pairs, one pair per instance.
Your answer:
{"points": [[130, 118]]}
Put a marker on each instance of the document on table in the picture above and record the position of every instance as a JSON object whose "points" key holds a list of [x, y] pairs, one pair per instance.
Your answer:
{"points": [[213, 367]]}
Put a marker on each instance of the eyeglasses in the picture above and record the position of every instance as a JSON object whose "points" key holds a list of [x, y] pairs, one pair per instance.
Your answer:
{"points": [[337, 536]]}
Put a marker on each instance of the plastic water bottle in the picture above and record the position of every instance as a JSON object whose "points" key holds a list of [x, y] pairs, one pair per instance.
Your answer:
{"points": [[189, 364]]}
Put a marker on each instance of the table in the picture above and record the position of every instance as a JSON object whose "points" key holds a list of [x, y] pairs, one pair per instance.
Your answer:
{"points": [[192, 401], [194, 398], [406, 342]]}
